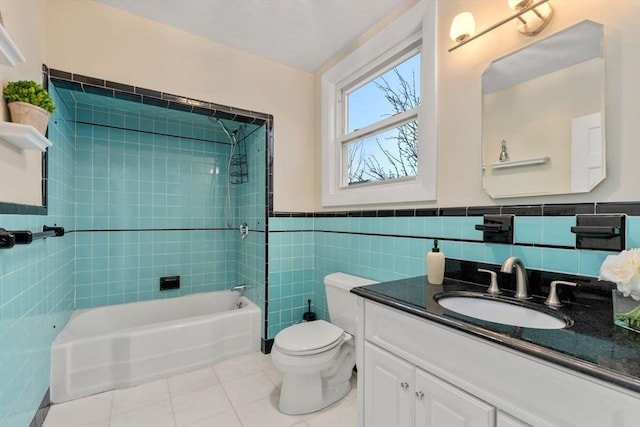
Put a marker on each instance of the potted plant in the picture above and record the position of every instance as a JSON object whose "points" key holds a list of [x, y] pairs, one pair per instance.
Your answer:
{"points": [[29, 103]]}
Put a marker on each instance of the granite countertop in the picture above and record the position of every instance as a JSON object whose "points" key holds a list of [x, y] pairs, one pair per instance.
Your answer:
{"points": [[593, 345]]}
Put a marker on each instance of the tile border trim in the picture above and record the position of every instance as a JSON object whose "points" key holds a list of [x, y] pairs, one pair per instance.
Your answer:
{"points": [[551, 209], [18, 209], [97, 86]]}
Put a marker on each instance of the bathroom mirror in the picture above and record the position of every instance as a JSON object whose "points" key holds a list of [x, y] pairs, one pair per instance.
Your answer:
{"points": [[543, 116]]}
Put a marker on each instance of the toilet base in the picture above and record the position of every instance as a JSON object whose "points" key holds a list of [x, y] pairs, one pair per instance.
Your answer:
{"points": [[316, 397], [309, 388]]}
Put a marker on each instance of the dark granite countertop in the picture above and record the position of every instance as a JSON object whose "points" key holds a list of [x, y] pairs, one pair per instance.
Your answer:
{"points": [[593, 345]]}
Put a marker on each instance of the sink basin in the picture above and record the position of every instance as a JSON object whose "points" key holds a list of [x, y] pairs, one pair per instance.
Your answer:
{"points": [[504, 310]]}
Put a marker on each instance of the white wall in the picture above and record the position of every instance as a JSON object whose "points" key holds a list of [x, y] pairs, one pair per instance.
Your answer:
{"points": [[90, 38], [459, 158], [20, 171], [459, 97], [521, 116]]}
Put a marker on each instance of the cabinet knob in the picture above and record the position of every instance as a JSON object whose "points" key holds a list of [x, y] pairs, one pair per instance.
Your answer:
{"points": [[419, 395], [404, 385]]}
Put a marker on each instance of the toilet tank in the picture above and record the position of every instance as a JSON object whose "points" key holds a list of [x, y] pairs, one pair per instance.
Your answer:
{"points": [[342, 303]]}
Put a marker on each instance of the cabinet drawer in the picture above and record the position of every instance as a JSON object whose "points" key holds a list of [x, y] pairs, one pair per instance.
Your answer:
{"points": [[534, 391]]}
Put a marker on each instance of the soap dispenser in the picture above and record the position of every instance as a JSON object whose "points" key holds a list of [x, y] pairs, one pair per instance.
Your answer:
{"points": [[435, 265]]}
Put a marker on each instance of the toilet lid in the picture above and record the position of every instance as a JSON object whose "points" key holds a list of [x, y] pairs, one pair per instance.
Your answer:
{"points": [[307, 337]]}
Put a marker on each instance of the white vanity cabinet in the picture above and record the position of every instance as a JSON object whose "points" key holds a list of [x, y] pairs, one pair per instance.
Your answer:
{"points": [[401, 395], [416, 372], [506, 420]]}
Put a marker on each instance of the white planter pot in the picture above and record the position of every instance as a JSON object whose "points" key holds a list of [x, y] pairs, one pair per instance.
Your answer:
{"points": [[29, 114]]}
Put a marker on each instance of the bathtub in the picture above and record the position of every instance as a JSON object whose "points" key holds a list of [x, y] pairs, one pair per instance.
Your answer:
{"points": [[123, 345]]}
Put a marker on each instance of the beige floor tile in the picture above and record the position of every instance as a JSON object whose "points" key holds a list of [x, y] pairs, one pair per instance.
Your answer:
{"points": [[139, 396], [275, 376], [249, 389], [158, 414], [226, 419], [263, 360], [198, 405], [240, 392], [235, 368], [192, 381], [264, 413], [81, 411], [341, 414]]}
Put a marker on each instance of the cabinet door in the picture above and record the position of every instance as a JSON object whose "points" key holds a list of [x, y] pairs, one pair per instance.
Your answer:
{"points": [[505, 420], [388, 389], [439, 404]]}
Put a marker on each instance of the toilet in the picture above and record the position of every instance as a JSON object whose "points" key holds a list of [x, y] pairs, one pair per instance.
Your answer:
{"points": [[316, 358]]}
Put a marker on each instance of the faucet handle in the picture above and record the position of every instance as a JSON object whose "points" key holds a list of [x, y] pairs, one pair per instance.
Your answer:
{"points": [[493, 287], [552, 299]]}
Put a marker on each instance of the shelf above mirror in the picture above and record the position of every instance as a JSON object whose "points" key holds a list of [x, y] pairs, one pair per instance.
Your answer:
{"points": [[518, 163]]}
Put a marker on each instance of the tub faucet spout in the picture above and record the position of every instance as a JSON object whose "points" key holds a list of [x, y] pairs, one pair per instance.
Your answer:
{"points": [[522, 284], [240, 289]]}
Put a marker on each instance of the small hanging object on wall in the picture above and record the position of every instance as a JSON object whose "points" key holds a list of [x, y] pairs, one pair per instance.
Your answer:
{"points": [[503, 151], [244, 230]]}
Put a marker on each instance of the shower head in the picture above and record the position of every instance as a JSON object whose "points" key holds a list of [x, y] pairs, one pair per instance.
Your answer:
{"points": [[230, 134]]}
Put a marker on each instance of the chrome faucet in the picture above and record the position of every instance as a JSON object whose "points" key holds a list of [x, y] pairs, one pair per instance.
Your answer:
{"points": [[522, 283], [240, 289]]}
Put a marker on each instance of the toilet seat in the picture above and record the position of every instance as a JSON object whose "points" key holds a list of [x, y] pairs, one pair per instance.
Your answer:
{"points": [[308, 338]]}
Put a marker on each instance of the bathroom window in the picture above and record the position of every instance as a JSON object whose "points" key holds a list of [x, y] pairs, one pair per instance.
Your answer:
{"points": [[378, 116], [379, 140]]}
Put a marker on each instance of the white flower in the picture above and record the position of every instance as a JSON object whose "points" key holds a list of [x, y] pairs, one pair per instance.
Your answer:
{"points": [[623, 270]]}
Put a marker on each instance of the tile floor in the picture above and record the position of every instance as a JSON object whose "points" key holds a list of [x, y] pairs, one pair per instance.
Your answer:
{"points": [[239, 392]]}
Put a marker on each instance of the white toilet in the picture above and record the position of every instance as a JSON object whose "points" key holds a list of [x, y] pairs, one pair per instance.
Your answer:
{"points": [[317, 358]]}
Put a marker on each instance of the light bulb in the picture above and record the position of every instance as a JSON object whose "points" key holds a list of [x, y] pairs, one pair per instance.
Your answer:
{"points": [[462, 27], [535, 20], [518, 4]]}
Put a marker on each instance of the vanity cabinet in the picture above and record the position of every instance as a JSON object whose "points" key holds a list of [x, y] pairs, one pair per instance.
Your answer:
{"points": [[506, 420], [402, 395], [417, 372]]}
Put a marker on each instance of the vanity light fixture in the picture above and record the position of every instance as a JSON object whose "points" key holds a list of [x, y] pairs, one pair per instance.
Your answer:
{"points": [[533, 21], [533, 16]]}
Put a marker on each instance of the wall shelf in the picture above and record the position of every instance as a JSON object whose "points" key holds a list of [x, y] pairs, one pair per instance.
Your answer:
{"points": [[9, 53], [519, 163], [22, 136]]}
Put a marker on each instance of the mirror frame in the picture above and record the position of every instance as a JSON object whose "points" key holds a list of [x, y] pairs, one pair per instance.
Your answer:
{"points": [[578, 44]]}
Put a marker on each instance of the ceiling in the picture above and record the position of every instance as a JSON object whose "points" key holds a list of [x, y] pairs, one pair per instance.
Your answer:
{"points": [[303, 34]]}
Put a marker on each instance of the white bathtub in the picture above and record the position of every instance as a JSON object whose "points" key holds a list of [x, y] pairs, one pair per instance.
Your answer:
{"points": [[123, 345]]}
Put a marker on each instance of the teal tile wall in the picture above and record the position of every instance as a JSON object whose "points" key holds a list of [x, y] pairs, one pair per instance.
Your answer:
{"points": [[250, 208], [122, 183], [117, 267], [291, 273], [156, 175], [36, 286], [386, 248]]}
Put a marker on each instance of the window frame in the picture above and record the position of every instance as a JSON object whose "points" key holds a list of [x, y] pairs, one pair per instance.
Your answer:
{"points": [[415, 29], [382, 64]]}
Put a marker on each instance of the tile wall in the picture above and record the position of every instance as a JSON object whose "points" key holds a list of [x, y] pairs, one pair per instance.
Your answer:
{"points": [[140, 191], [150, 195], [250, 204], [390, 245], [36, 296]]}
